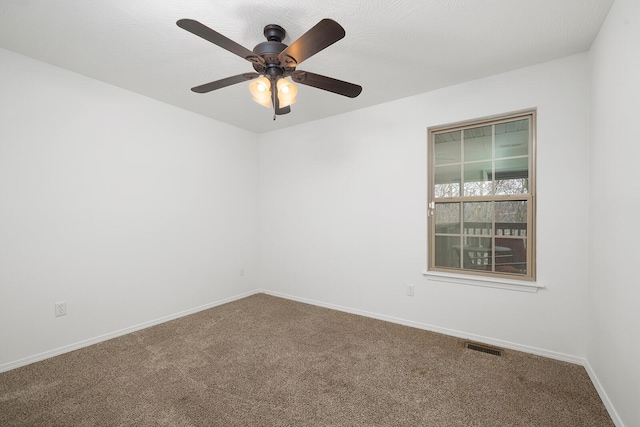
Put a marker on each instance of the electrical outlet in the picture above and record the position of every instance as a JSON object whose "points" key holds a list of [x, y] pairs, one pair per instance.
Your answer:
{"points": [[61, 308], [411, 290]]}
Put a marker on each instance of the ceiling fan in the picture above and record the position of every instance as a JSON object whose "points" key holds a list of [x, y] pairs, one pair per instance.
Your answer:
{"points": [[274, 61]]}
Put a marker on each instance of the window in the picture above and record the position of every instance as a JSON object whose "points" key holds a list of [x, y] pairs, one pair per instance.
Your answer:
{"points": [[482, 197]]}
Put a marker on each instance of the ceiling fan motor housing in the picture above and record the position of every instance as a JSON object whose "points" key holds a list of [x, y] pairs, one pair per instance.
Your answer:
{"points": [[270, 50]]}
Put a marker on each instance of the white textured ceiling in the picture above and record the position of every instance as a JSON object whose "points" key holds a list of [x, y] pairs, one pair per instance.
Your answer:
{"points": [[392, 48]]}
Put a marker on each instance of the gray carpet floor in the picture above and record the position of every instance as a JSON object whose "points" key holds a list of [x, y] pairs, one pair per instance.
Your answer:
{"points": [[267, 361]]}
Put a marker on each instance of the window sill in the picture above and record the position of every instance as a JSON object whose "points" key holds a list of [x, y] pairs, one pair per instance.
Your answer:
{"points": [[512, 285]]}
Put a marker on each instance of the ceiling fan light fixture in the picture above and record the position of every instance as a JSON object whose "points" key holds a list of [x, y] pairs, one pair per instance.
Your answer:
{"points": [[260, 90], [287, 92], [274, 61]]}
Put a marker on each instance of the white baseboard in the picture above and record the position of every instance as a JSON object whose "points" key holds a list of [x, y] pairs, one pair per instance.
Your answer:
{"points": [[615, 417], [85, 343], [459, 334]]}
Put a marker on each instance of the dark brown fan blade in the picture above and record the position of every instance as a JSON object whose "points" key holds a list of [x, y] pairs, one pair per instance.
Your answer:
{"points": [[216, 38], [218, 84], [326, 83], [323, 34]]}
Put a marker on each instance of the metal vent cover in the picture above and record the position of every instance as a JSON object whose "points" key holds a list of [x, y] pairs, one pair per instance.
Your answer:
{"points": [[483, 348]]}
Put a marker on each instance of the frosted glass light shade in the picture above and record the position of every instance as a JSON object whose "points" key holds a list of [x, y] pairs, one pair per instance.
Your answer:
{"points": [[287, 92], [260, 89]]}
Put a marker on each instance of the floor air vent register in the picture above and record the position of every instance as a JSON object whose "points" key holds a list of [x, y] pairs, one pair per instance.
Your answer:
{"points": [[483, 348]]}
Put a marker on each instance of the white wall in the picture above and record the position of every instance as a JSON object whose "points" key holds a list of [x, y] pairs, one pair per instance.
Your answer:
{"points": [[343, 211], [126, 208], [614, 317]]}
